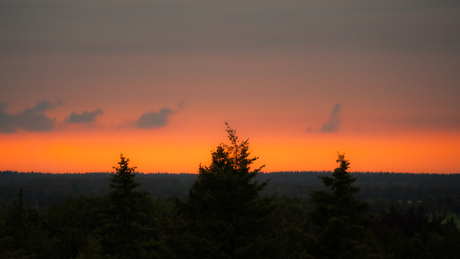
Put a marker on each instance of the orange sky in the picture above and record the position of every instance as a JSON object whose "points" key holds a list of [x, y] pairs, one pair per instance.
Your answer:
{"points": [[82, 82], [182, 152]]}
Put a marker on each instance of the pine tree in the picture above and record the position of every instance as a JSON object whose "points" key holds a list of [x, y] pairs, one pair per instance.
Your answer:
{"points": [[17, 236], [226, 217], [342, 220], [123, 224]]}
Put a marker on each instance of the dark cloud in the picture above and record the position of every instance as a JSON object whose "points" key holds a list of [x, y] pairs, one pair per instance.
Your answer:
{"points": [[333, 124], [84, 117], [7, 124], [42, 106], [32, 119], [152, 120]]}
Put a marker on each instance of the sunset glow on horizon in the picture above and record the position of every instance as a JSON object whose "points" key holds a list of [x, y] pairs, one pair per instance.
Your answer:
{"points": [[78, 153], [82, 82]]}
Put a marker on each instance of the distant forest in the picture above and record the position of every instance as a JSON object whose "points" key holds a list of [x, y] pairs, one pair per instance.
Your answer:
{"points": [[45, 189]]}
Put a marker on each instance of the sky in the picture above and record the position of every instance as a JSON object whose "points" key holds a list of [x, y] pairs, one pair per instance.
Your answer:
{"points": [[83, 81]]}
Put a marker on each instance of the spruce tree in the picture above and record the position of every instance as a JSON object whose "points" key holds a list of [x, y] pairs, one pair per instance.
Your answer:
{"points": [[343, 221], [123, 223], [226, 217]]}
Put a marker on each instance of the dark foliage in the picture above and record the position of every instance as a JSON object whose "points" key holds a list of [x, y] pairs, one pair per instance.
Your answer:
{"points": [[43, 190], [414, 235], [126, 231], [342, 220], [225, 216]]}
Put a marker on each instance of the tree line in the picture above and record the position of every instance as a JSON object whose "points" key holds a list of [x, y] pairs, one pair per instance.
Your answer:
{"points": [[42, 190], [225, 214]]}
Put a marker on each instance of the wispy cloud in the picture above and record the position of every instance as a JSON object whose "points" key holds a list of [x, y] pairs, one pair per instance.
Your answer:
{"points": [[153, 119], [84, 117], [31, 119], [333, 124]]}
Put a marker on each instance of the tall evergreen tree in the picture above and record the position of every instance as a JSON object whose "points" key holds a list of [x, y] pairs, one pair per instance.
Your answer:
{"points": [[226, 216], [19, 235], [342, 220], [124, 222]]}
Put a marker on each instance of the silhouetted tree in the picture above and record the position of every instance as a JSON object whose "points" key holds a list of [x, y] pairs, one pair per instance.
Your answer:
{"points": [[342, 221], [125, 224], [18, 235], [226, 218]]}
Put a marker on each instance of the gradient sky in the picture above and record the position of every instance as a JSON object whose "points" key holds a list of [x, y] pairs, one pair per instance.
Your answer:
{"points": [[83, 81]]}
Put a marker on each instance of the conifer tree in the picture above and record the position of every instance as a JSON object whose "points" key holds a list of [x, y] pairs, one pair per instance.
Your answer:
{"points": [[20, 231], [123, 224], [342, 220], [226, 217], [14, 234]]}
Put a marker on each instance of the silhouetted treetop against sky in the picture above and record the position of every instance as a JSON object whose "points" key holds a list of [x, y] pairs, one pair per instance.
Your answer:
{"points": [[239, 152], [123, 180], [342, 219], [227, 216]]}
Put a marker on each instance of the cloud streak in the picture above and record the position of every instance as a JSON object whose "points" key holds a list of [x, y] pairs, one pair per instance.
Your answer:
{"points": [[84, 117], [333, 124], [153, 119], [31, 119]]}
